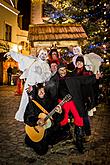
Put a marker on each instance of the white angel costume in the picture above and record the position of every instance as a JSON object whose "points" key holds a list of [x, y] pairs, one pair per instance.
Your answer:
{"points": [[78, 52], [96, 61], [92, 61], [35, 70]]}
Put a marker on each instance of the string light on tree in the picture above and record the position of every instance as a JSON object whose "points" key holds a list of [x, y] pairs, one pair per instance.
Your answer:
{"points": [[91, 14]]}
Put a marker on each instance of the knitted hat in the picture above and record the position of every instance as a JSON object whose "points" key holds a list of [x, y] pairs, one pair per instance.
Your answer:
{"points": [[61, 65], [80, 58]]}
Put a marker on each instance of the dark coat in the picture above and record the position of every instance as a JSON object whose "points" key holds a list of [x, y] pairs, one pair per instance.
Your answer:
{"points": [[90, 91], [74, 85], [32, 111], [9, 71], [52, 134]]}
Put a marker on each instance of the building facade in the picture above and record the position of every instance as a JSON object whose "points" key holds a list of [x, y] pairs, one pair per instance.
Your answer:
{"points": [[11, 35], [45, 35]]}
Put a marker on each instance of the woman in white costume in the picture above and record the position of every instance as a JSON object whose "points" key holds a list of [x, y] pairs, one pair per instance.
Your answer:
{"points": [[35, 70], [78, 52], [92, 61]]}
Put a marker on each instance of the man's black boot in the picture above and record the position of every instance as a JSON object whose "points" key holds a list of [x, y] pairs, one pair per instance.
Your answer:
{"points": [[79, 138]]}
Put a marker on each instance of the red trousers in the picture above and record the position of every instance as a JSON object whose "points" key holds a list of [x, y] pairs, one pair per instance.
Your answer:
{"points": [[70, 107]]}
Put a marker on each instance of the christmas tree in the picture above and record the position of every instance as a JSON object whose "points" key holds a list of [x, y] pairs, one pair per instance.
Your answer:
{"points": [[92, 15]]}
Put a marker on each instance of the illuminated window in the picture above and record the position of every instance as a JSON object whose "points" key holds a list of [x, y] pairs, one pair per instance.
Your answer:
{"points": [[8, 32]]}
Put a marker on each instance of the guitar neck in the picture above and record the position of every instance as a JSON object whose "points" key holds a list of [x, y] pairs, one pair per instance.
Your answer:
{"points": [[66, 98], [54, 110]]}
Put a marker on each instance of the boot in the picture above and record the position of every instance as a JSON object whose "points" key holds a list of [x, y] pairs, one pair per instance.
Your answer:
{"points": [[79, 138]]}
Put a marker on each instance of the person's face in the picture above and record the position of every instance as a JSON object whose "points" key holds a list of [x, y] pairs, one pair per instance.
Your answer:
{"points": [[43, 55], [41, 93], [53, 67], [54, 56], [76, 50], [79, 64], [62, 71]]}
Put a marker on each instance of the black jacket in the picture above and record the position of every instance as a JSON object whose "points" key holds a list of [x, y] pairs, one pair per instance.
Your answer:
{"points": [[32, 110], [53, 134], [74, 85]]}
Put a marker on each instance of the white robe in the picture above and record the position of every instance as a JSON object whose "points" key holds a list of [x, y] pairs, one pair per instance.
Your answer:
{"points": [[35, 71], [95, 60]]}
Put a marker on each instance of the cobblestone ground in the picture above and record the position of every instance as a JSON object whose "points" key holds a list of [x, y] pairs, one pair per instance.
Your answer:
{"points": [[14, 152]]}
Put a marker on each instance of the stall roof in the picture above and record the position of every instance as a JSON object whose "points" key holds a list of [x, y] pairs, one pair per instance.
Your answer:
{"points": [[56, 32]]}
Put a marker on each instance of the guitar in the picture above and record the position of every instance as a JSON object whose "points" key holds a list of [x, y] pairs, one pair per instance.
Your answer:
{"points": [[37, 133]]}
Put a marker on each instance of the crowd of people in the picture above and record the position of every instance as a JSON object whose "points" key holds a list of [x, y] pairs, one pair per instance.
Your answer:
{"points": [[43, 107]]}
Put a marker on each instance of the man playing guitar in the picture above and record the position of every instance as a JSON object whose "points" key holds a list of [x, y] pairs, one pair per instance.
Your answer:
{"points": [[41, 133]]}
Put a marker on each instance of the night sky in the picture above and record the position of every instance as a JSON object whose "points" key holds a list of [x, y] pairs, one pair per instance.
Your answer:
{"points": [[24, 6]]}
